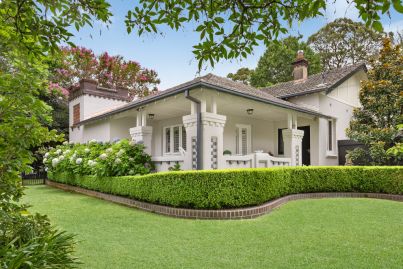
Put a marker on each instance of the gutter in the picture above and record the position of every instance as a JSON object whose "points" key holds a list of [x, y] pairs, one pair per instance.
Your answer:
{"points": [[192, 86], [199, 131]]}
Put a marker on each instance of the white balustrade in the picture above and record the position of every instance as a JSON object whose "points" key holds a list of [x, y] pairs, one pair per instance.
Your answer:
{"points": [[258, 160]]}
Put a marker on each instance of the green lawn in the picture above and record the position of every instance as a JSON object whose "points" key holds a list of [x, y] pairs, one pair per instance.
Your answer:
{"points": [[327, 233]]}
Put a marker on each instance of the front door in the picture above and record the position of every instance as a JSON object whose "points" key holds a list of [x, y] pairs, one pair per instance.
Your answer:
{"points": [[306, 145]]}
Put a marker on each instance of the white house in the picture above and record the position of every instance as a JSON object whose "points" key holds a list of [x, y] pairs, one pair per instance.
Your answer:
{"points": [[212, 122]]}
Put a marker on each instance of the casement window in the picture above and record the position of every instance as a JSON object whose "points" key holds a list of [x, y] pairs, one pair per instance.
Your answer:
{"points": [[243, 139], [174, 138], [330, 136], [280, 142], [76, 114]]}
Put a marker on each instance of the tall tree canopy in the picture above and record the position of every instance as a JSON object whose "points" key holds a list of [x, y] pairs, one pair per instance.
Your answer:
{"points": [[381, 96], [275, 64], [75, 63], [242, 75], [344, 41], [232, 29]]}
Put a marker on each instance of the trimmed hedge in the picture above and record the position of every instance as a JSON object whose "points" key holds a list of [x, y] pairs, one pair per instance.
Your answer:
{"points": [[243, 187]]}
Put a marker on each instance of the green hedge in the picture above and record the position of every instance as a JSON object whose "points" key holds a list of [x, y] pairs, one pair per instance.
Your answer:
{"points": [[243, 187]]}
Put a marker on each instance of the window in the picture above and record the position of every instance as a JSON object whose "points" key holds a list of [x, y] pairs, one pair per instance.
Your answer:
{"points": [[243, 139], [280, 142], [76, 114], [330, 135], [174, 138]]}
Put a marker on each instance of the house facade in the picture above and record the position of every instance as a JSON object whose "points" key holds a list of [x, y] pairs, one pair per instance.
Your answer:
{"points": [[215, 123]]}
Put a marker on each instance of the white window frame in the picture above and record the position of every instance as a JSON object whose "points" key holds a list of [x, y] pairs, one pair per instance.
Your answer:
{"points": [[164, 142], [331, 151], [238, 144]]}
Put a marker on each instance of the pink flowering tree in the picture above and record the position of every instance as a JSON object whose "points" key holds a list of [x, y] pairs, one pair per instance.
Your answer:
{"points": [[78, 63]]}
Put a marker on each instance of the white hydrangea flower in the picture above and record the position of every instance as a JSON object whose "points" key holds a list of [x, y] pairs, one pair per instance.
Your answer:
{"points": [[65, 143], [58, 151], [117, 160], [67, 151], [131, 159], [93, 141], [103, 156], [46, 154], [61, 158], [46, 169], [45, 160], [120, 152], [79, 160], [109, 150], [92, 163], [71, 143], [55, 161], [87, 150]]}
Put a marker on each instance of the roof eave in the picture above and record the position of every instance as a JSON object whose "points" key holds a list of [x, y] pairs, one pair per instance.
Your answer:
{"points": [[192, 86]]}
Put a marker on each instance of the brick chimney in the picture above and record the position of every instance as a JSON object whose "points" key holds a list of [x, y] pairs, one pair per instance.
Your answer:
{"points": [[300, 65], [91, 87]]}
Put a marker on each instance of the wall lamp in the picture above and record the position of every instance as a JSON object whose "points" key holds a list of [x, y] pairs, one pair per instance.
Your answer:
{"points": [[249, 111], [151, 116]]}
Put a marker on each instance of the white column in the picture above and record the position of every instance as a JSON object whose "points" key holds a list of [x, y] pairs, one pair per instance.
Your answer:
{"points": [[138, 118], [293, 145], [212, 144], [143, 134], [213, 105]]}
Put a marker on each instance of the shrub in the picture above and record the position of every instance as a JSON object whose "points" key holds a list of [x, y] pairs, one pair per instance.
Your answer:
{"points": [[100, 159], [243, 187]]}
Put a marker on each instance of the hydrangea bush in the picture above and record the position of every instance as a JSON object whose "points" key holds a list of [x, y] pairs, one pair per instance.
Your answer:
{"points": [[98, 158]]}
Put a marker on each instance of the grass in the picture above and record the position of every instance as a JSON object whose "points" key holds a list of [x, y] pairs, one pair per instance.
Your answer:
{"points": [[327, 233]]}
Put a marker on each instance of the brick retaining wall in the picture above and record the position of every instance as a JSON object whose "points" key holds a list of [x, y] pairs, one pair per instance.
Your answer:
{"points": [[239, 213]]}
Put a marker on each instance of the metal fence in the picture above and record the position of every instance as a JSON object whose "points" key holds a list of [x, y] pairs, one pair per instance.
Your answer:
{"points": [[347, 145], [34, 178]]}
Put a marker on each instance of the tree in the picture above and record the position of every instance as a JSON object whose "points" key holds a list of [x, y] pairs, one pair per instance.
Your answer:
{"points": [[344, 42], [242, 75], [376, 122], [232, 29], [275, 64], [76, 63], [30, 32]]}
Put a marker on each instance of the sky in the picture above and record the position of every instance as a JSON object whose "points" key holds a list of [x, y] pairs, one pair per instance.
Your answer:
{"points": [[171, 54]]}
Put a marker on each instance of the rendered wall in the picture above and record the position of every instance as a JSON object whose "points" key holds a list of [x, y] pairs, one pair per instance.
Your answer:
{"points": [[99, 131], [261, 132]]}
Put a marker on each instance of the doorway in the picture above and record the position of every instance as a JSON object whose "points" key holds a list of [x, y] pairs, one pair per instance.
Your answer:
{"points": [[306, 145]]}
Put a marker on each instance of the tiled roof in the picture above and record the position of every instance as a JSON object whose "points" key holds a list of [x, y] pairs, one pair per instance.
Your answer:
{"points": [[315, 83], [214, 82]]}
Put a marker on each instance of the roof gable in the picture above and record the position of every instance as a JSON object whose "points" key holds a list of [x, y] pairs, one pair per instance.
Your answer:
{"points": [[319, 82]]}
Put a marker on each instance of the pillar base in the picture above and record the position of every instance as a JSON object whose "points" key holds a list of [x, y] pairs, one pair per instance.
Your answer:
{"points": [[293, 145]]}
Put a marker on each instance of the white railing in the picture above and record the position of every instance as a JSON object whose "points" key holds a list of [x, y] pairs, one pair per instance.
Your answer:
{"points": [[163, 163], [258, 160], [239, 161]]}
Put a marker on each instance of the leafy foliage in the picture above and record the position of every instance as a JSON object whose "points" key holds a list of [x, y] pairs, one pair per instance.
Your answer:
{"points": [[39, 26], [242, 75], [30, 32], [275, 64], [344, 42], [76, 63], [101, 159], [376, 123], [243, 187], [232, 29]]}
